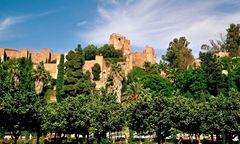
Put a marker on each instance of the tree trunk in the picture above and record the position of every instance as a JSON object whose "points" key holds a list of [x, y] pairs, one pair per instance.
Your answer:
{"points": [[38, 137], [130, 135], [218, 138], [140, 138], [230, 139], [159, 137], [84, 139], [224, 137], [55, 138], [109, 136], [16, 138], [198, 138], [87, 137], [98, 138], [76, 136]]}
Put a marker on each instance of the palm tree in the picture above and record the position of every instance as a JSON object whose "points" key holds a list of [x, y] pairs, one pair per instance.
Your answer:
{"points": [[114, 82], [133, 91], [41, 77]]}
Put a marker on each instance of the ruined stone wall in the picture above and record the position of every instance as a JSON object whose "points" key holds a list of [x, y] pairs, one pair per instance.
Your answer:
{"points": [[150, 55], [23, 53], [120, 43], [11, 54], [138, 59], [40, 56], [55, 57], [43, 55], [51, 68], [1, 54], [1, 51], [104, 70]]}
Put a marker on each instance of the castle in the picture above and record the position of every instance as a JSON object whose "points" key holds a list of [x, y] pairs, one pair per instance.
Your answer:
{"points": [[51, 60], [133, 59]]}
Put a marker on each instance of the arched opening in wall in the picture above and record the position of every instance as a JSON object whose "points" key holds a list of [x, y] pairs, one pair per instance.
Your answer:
{"points": [[119, 39]]}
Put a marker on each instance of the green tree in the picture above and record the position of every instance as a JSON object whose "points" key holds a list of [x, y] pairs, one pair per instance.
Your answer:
{"points": [[133, 92], [96, 70], [26, 69], [60, 79], [223, 116], [41, 78], [178, 54], [20, 107], [192, 83], [159, 119], [108, 115], [75, 81], [215, 46], [79, 49], [90, 52], [17, 106], [54, 118], [108, 51], [233, 40], [157, 84], [213, 73], [135, 75], [151, 68], [138, 115]]}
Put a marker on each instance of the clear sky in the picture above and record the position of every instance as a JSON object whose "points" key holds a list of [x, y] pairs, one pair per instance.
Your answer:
{"points": [[62, 24]]}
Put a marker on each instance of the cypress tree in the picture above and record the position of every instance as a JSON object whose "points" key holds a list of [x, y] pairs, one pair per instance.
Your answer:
{"points": [[233, 40], [75, 81], [96, 69], [60, 78]]}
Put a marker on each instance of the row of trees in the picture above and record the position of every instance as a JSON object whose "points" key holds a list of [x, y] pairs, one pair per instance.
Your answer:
{"points": [[177, 114], [189, 99], [21, 96], [194, 99]]}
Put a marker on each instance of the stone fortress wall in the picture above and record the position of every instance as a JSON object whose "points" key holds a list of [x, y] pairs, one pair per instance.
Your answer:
{"points": [[49, 59], [133, 59]]}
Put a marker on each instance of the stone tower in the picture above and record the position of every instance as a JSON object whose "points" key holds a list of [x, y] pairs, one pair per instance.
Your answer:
{"points": [[120, 42], [150, 55]]}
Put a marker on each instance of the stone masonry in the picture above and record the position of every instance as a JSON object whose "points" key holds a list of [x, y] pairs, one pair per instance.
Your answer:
{"points": [[49, 59], [133, 59]]}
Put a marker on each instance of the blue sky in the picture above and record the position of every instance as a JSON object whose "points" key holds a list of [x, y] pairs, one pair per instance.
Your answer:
{"points": [[62, 24]]}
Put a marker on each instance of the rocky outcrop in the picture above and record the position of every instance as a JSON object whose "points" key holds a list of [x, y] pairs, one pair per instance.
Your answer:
{"points": [[117, 85]]}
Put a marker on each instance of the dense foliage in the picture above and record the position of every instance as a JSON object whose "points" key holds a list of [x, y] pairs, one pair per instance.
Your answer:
{"points": [[96, 70], [178, 54], [167, 98], [76, 82], [60, 78], [90, 52]]}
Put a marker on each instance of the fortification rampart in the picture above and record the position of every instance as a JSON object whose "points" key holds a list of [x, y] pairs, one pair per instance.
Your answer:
{"points": [[43, 55]]}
